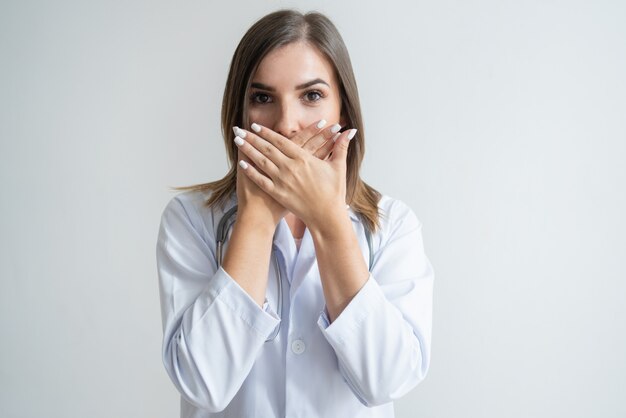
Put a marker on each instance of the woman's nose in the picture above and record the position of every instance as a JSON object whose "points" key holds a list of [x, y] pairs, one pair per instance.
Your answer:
{"points": [[287, 122]]}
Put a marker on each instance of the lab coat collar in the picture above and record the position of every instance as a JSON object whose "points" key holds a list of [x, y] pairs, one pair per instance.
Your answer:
{"points": [[353, 214]]}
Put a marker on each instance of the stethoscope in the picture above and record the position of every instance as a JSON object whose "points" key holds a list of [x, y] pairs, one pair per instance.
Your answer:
{"points": [[222, 231]]}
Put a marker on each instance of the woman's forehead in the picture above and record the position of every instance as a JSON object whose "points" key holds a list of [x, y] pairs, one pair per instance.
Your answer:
{"points": [[294, 64]]}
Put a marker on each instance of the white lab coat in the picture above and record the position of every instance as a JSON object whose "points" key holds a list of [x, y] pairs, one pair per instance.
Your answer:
{"points": [[214, 348]]}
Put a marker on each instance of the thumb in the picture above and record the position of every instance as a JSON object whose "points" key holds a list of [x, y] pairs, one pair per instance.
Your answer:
{"points": [[340, 150]]}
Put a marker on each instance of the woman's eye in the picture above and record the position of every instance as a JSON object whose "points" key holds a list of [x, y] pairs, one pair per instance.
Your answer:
{"points": [[313, 96], [260, 98]]}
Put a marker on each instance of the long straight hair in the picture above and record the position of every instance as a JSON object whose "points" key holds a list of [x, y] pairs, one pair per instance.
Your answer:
{"points": [[273, 31]]}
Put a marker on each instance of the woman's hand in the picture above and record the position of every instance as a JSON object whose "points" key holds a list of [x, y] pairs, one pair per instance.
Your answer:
{"points": [[310, 187], [252, 200]]}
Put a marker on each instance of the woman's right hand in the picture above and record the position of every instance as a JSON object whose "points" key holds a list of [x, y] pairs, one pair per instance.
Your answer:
{"points": [[253, 201]]}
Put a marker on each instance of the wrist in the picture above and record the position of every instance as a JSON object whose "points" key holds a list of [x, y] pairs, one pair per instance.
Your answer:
{"points": [[335, 223], [257, 222]]}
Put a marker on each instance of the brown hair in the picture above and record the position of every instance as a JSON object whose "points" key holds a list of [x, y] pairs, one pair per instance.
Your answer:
{"points": [[271, 32]]}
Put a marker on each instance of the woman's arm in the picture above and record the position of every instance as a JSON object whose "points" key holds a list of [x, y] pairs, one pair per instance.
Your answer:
{"points": [[380, 331], [248, 254], [212, 328], [342, 269]]}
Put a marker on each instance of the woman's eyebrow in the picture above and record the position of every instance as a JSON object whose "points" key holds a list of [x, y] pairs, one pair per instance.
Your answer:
{"points": [[310, 83], [262, 86]]}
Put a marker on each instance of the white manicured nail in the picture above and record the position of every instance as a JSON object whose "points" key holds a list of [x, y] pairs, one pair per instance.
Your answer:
{"points": [[255, 127], [239, 132], [238, 141], [336, 136], [335, 128], [321, 124], [352, 133], [243, 164]]}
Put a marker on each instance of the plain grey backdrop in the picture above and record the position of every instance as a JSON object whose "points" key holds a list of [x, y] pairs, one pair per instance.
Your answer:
{"points": [[501, 123]]}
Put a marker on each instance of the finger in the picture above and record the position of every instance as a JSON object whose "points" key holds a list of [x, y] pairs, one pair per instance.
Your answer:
{"points": [[259, 179], [257, 157], [242, 156], [317, 141], [303, 136], [324, 151], [273, 145], [340, 150]]}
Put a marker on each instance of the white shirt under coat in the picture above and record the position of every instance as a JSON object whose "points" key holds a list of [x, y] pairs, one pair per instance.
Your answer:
{"points": [[214, 333]]}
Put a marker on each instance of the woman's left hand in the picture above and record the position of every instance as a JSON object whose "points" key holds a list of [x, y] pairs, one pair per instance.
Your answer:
{"points": [[309, 187]]}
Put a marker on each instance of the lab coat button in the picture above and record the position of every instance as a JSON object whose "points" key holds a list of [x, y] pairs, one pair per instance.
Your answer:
{"points": [[298, 346]]}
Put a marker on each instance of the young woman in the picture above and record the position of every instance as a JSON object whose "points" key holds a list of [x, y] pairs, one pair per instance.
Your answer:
{"points": [[291, 288]]}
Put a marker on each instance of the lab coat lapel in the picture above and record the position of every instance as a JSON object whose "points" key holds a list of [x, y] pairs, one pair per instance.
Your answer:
{"points": [[297, 263], [305, 262], [283, 241]]}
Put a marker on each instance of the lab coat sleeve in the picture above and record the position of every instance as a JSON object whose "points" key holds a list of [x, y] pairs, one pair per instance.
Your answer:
{"points": [[212, 329], [382, 338]]}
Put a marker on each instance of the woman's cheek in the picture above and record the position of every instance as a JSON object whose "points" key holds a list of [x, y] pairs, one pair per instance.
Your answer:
{"points": [[312, 115], [260, 117], [326, 110]]}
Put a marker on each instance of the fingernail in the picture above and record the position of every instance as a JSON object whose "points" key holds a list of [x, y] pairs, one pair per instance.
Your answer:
{"points": [[352, 133], [239, 132], [243, 164], [255, 127], [335, 128], [321, 124], [238, 141], [336, 136]]}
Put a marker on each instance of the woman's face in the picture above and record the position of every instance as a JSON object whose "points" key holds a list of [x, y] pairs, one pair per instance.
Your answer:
{"points": [[293, 87]]}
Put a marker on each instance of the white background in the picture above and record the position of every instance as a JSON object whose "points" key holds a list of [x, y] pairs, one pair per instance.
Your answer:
{"points": [[501, 123]]}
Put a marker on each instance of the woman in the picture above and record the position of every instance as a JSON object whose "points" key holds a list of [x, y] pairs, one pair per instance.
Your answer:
{"points": [[337, 325]]}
